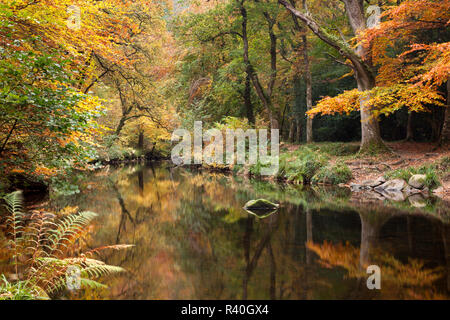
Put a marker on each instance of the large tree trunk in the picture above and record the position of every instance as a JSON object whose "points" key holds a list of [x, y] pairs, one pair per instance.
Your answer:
{"points": [[370, 130]]}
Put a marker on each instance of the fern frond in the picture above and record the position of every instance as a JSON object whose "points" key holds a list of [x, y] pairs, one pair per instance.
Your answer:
{"points": [[50, 272], [14, 221], [70, 229], [41, 224], [89, 283]]}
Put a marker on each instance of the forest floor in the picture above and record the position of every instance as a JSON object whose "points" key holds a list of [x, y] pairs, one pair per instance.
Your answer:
{"points": [[369, 167]]}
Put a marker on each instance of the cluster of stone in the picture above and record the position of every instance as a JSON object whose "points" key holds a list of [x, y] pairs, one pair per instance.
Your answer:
{"points": [[396, 189]]}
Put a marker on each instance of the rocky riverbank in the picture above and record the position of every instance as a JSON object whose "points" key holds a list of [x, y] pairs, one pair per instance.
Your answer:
{"points": [[415, 190]]}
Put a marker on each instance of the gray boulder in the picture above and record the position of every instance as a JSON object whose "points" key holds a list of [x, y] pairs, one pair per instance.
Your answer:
{"points": [[391, 185], [417, 181], [374, 183]]}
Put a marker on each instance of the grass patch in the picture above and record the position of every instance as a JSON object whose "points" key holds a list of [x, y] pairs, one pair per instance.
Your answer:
{"points": [[338, 173]]}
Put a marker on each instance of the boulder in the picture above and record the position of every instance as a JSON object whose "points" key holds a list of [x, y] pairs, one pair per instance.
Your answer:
{"points": [[261, 208], [417, 181], [374, 183], [260, 204], [391, 185]]}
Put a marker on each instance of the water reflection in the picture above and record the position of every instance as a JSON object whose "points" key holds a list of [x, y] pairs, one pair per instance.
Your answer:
{"points": [[193, 240]]}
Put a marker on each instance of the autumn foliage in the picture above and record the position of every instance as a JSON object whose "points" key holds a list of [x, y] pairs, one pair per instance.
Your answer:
{"points": [[411, 54]]}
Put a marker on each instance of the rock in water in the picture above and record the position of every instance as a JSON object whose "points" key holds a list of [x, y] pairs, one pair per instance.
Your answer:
{"points": [[260, 204], [261, 207], [417, 181]]}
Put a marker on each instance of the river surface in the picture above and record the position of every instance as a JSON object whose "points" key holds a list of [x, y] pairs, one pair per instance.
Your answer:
{"points": [[193, 240]]}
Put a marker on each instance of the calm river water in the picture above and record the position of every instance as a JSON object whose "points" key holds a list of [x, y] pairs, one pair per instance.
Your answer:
{"points": [[193, 240]]}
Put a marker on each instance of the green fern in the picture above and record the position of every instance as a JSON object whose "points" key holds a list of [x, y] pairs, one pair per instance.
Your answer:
{"points": [[44, 244], [14, 222], [69, 229]]}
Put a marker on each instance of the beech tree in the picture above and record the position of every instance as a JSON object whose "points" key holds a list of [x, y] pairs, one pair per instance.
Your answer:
{"points": [[363, 69]]}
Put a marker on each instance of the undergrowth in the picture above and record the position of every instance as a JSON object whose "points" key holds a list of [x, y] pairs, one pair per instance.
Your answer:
{"points": [[336, 174], [43, 250]]}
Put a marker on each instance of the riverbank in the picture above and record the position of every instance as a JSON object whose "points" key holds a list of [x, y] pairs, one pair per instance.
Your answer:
{"points": [[338, 163], [324, 163]]}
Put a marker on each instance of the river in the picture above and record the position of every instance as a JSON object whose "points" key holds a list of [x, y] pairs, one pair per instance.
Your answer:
{"points": [[193, 240]]}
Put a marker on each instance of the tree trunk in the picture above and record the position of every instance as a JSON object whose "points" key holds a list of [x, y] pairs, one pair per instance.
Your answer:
{"points": [[299, 130], [409, 127], [120, 126], [141, 142], [370, 128], [8, 136], [248, 99], [308, 81], [445, 132], [292, 130]]}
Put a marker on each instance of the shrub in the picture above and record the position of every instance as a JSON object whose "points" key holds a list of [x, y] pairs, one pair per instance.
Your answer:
{"points": [[339, 173], [232, 123], [117, 152], [301, 165]]}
